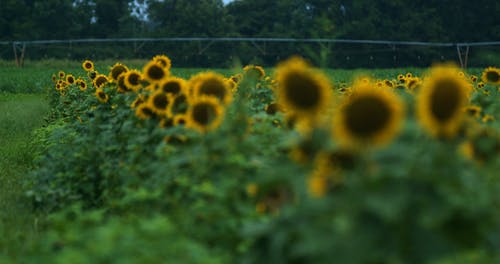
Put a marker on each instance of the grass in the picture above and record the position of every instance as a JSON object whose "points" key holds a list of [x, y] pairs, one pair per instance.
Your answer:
{"points": [[20, 114]]}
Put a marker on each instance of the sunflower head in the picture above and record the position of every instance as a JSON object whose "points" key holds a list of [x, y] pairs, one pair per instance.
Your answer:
{"points": [[154, 72], [301, 90], [473, 111], [117, 70], [254, 72], [160, 103], [180, 120], [70, 79], [441, 100], [133, 80], [164, 61], [180, 103], [211, 84], [120, 84], [144, 111], [138, 101], [82, 85], [273, 108], [491, 75], [473, 78], [88, 65], [100, 81], [102, 96], [92, 75], [173, 85], [370, 116], [204, 114], [61, 74]]}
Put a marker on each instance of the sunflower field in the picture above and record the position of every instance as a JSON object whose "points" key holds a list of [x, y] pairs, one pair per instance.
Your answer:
{"points": [[281, 165]]}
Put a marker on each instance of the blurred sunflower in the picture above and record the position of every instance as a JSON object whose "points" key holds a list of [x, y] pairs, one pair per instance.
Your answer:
{"points": [[473, 78], [154, 72], [179, 120], [81, 84], [211, 84], [401, 78], [236, 78], [301, 90], [254, 72], [180, 104], [480, 85], [388, 84], [117, 70], [92, 75], [70, 79], [409, 75], [473, 111], [61, 74], [160, 102], [88, 65], [413, 83], [100, 81], [370, 116], [173, 85], [273, 108], [120, 84], [204, 114], [138, 101], [164, 61], [166, 122], [133, 80], [101, 95], [491, 75], [54, 78], [441, 100], [144, 111]]}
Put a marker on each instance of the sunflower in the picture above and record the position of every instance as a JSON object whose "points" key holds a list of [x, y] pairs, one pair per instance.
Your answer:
{"points": [[179, 120], [54, 78], [236, 78], [133, 80], [101, 95], [88, 65], [180, 104], [413, 83], [401, 78], [211, 84], [233, 86], [166, 122], [92, 75], [473, 78], [441, 100], [61, 74], [144, 111], [70, 79], [491, 75], [154, 72], [254, 72], [204, 114], [173, 85], [159, 102], [81, 84], [473, 111], [100, 81], [117, 70], [370, 116], [301, 90], [138, 101], [409, 75], [163, 60], [488, 118], [480, 85], [120, 84], [389, 84]]}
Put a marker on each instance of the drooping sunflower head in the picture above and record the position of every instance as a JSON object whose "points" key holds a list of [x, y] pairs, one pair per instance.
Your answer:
{"points": [[133, 80], [441, 100], [302, 90], [211, 84], [100, 81], [160, 103], [154, 72], [254, 71], [102, 96], [173, 85], [82, 85], [120, 84], [88, 65], [70, 79], [164, 61], [369, 117], [117, 70], [92, 75], [473, 111], [144, 111], [491, 75], [204, 114]]}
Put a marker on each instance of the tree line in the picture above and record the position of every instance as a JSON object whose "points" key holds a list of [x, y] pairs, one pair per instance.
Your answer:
{"points": [[415, 20]]}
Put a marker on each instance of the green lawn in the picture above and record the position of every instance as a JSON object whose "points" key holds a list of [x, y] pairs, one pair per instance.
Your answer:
{"points": [[19, 115]]}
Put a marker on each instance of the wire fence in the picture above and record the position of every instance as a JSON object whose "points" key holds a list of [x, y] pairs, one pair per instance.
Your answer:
{"points": [[222, 52]]}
